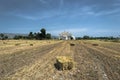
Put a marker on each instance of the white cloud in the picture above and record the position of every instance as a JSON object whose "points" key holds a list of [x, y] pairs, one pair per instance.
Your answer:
{"points": [[90, 11], [39, 16]]}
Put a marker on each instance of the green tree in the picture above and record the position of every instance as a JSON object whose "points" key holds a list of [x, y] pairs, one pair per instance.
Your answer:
{"points": [[86, 37], [5, 37], [31, 36], [48, 36], [18, 37], [15, 37], [43, 33], [1, 35]]}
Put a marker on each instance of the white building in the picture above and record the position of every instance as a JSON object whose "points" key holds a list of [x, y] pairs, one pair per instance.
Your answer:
{"points": [[66, 36]]}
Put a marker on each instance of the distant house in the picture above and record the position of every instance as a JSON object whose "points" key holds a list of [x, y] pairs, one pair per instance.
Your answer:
{"points": [[66, 36]]}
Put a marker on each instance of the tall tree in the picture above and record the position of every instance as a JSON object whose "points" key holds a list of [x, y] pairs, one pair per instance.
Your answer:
{"points": [[31, 36], [43, 33], [1, 36]]}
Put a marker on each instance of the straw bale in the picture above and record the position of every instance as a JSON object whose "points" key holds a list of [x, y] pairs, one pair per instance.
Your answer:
{"points": [[64, 63], [72, 44], [95, 44]]}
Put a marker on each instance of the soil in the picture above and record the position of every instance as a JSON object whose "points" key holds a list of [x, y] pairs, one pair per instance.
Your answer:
{"points": [[101, 62]]}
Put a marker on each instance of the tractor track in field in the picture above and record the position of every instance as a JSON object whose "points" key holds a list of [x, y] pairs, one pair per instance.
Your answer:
{"points": [[96, 63], [108, 60], [11, 63], [91, 63], [39, 69], [44, 68]]}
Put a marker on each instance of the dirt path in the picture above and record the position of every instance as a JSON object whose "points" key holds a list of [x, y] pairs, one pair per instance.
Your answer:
{"points": [[91, 63]]}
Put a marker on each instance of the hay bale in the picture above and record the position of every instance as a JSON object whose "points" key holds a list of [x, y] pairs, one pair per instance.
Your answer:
{"points": [[95, 44], [4, 43], [17, 44], [64, 63], [72, 44], [31, 44]]}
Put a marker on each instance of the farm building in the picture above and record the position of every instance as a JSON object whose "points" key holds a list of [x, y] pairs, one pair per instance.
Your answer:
{"points": [[66, 36]]}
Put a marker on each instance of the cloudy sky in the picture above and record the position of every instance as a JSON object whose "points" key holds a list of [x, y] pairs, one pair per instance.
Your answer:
{"points": [[80, 17]]}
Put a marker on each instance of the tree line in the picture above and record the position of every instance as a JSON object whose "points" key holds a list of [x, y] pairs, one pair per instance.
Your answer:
{"points": [[86, 37], [3, 37], [42, 35]]}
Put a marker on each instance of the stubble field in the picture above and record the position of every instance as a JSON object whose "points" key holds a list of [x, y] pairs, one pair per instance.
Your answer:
{"points": [[35, 60]]}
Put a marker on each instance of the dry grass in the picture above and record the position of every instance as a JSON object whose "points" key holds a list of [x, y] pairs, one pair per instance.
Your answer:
{"points": [[63, 59], [11, 46], [37, 62]]}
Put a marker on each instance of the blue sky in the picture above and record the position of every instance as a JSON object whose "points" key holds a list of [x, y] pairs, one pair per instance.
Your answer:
{"points": [[80, 17]]}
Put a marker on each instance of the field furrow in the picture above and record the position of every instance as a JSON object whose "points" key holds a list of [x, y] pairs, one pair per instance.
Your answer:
{"points": [[38, 62]]}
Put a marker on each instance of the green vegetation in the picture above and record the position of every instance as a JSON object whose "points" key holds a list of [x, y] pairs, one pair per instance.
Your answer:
{"points": [[111, 38], [3, 37], [42, 35]]}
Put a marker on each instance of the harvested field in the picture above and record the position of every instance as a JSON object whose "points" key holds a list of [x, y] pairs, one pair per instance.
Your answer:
{"points": [[35, 60]]}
